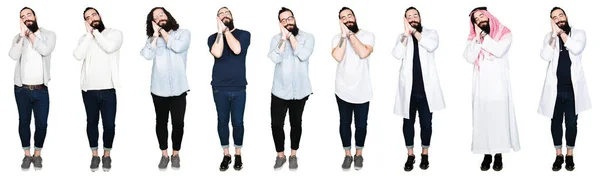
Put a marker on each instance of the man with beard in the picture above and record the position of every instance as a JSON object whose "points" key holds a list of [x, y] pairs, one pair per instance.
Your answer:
{"points": [[414, 47], [290, 51], [565, 90], [229, 47], [99, 50], [32, 49], [167, 45], [494, 123], [353, 91]]}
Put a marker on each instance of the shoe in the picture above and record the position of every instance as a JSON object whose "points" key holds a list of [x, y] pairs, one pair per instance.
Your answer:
{"points": [[293, 163], [175, 162], [106, 163], [497, 162], [95, 163], [347, 162], [558, 163], [37, 163], [424, 162], [487, 160], [26, 163], [569, 164], [164, 161], [408, 166], [238, 165], [358, 162], [279, 161], [225, 163]]}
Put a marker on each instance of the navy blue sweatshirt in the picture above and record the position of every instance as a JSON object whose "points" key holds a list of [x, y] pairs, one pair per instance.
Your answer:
{"points": [[229, 71]]}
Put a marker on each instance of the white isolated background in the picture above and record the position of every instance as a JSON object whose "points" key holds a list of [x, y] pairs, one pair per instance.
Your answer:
{"points": [[136, 152]]}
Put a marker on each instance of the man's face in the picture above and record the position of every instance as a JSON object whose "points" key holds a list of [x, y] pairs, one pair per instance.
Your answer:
{"points": [[160, 18], [27, 17], [481, 19], [92, 18], [287, 20], [225, 15], [413, 18], [559, 17], [348, 18]]}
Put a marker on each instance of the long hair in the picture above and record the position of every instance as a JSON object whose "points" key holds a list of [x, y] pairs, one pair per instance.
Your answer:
{"points": [[150, 18]]}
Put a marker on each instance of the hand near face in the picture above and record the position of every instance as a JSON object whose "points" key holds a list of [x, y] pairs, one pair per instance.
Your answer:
{"points": [[408, 29], [478, 31], [285, 33], [555, 29], [156, 29], [24, 29], [88, 27], [220, 25], [344, 28]]}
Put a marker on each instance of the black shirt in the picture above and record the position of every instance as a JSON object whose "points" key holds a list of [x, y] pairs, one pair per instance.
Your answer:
{"points": [[563, 72], [417, 86]]}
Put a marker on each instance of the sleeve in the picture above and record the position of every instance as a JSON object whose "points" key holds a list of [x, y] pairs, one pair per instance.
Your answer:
{"points": [[274, 54], [17, 48], [304, 49], [45, 46], [111, 42], [576, 42], [179, 43], [148, 52], [429, 41], [547, 52]]}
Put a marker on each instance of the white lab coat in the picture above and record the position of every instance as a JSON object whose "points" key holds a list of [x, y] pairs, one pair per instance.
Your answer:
{"points": [[494, 122], [433, 91], [575, 45]]}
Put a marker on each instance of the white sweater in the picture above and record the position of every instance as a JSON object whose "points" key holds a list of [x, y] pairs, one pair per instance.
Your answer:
{"points": [[100, 55]]}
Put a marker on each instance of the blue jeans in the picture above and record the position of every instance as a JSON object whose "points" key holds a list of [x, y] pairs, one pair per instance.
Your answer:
{"points": [[361, 112], [565, 104], [418, 103], [38, 102], [230, 103], [102, 102]]}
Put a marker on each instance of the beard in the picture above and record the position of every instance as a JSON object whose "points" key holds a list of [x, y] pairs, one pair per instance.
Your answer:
{"points": [[228, 24], [565, 27], [99, 25], [33, 27], [417, 26], [352, 27], [485, 27], [167, 26], [294, 29]]}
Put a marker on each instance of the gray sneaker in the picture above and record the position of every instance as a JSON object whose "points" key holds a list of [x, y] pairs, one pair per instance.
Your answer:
{"points": [[95, 163], [26, 163], [175, 162], [347, 162], [293, 163], [164, 161], [358, 162], [37, 162], [279, 161], [106, 163]]}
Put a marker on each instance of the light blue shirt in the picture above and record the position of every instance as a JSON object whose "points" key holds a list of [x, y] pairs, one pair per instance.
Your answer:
{"points": [[169, 76], [290, 79]]}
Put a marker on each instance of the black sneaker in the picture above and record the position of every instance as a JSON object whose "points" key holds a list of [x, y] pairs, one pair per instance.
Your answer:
{"points": [[424, 162], [238, 163], [558, 163], [570, 165], [26, 163], [485, 164], [408, 166], [497, 162], [106, 163], [225, 163], [95, 164]]}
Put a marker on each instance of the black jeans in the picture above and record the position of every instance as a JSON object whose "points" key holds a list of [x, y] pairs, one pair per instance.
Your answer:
{"points": [[418, 103], [37, 101], [100, 102], [565, 104], [279, 108], [162, 107], [361, 113]]}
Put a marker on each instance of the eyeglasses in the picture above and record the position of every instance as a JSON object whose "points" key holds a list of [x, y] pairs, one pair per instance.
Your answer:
{"points": [[289, 19], [26, 15], [159, 15], [93, 15], [221, 14]]}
